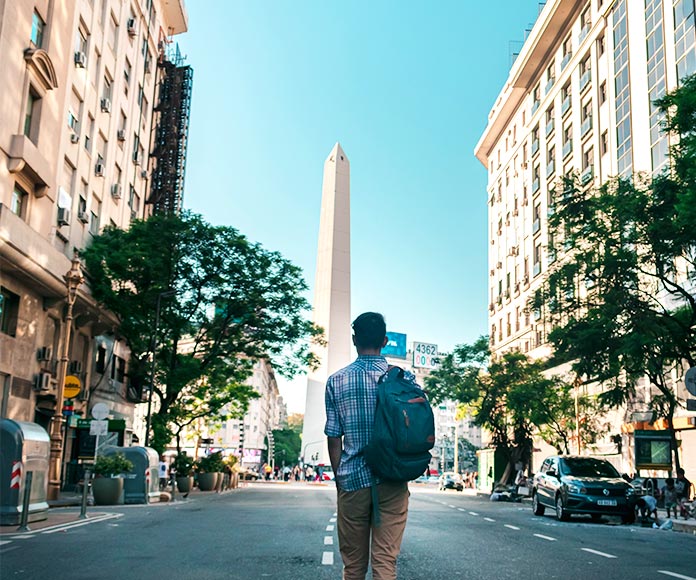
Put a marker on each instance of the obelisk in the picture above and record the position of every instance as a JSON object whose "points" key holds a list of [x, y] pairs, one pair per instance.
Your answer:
{"points": [[331, 300]]}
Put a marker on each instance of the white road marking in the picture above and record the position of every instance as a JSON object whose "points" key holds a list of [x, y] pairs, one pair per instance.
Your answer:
{"points": [[473, 513], [675, 575], [335, 514], [81, 523], [604, 554], [327, 558], [543, 537], [329, 528], [452, 506], [332, 520], [489, 519], [23, 537], [511, 527], [3, 542], [461, 509], [328, 540]]}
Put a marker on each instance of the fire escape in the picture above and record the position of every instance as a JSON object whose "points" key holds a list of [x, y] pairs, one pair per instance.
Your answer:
{"points": [[170, 139]]}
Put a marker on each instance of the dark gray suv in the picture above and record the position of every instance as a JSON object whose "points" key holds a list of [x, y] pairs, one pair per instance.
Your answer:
{"points": [[582, 485]]}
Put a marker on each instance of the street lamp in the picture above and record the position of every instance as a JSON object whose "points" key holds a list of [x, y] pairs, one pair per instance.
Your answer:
{"points": [[304, 449], [73, 280], [153, 348]]}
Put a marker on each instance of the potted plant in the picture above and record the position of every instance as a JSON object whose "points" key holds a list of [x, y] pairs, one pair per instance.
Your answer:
{"points": [[108, 483], [209, 468], [183, 467]]}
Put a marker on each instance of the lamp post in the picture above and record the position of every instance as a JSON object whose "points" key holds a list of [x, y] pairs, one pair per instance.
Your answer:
{"points": [[154, 361], [73, 280], [304, 449]]}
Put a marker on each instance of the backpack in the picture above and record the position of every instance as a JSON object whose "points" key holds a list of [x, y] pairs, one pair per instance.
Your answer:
{"points": [[404, 429]]}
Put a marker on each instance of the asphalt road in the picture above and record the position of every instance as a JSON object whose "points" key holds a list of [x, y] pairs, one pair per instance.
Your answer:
{"points": [[288, 532]]}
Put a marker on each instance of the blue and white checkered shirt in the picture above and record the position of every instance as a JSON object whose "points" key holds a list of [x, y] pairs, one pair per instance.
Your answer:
{"points": [[351, 396]]}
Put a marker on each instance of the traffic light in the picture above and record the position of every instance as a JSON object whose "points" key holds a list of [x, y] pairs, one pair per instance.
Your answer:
{"points": [[241, 436]]}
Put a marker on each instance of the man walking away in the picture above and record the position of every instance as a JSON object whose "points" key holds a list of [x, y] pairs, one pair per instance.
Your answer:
{"points": [[351, 395]]}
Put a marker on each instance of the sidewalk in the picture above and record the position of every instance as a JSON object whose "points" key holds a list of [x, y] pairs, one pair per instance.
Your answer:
{"points": [[54, 518]]}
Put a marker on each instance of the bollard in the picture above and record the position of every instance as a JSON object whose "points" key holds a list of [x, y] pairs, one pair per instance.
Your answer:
{"points": [[23, 527], [172, 476], [87, 479]]}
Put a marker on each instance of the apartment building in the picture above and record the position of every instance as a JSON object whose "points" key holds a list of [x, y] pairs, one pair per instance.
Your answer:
{"points": [[577, 100], [80, 82]]}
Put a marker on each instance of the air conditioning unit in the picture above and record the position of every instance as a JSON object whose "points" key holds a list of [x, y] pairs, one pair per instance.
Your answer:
{"points": [[499, 265], [83, 216], [116, 191], [143, 174], [44, 353], [130, 26], [80, 59], [75, 367], [99, 169], [106, 105], [121, 134], [74, 138], [42, 381], [63, 216]]}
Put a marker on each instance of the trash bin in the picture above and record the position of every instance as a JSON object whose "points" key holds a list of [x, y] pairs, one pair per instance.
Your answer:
{"points": [[142, 484], [24, 447]]}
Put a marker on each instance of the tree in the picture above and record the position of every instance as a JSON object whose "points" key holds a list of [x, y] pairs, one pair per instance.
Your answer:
{"points": [[286, 446], [619, 295], [511, 397], [296, 422], [225, 303]]}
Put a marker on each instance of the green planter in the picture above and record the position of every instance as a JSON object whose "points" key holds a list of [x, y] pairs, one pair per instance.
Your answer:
{"points": [[184, 484], [206, 481], [107, 490]]}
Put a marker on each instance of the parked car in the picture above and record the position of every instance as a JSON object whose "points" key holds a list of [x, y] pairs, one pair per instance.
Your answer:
{"points": [[451, 480], [582, 485]]}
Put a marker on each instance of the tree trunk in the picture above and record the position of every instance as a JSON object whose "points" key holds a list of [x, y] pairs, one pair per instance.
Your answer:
{"points": [[673, 438]]}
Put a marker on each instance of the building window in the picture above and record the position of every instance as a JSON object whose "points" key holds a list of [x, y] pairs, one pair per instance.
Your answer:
{"points": [[126, 76], [18, 203], [600, 46], [9, 312], [100, 365], [37, 30], [118, 370], [604, 143], [90, 131], [603, 93], [81, 41], [106, 92], [72, 120]]}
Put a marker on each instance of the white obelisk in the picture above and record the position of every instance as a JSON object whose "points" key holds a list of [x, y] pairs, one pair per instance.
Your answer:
{"points": [[331, 300]]}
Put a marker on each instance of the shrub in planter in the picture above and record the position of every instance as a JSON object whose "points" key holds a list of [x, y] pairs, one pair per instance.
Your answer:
{"points": [[208, 467], [106, 488], [183, 466]]}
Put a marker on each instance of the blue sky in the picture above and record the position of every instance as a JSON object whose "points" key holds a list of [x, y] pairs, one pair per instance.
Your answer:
{"points": [[406, 88]]}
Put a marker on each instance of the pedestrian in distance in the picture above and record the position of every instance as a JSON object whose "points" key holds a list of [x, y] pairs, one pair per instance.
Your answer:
{"points": [[163, 473], [669, 493], [648, 508], [351, 395], [683, 487]]}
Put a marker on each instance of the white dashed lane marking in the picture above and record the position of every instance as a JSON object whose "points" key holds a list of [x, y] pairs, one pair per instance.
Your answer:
{"points": [[329, 528], [3, 542], [489, 519], [675, 575], [511, 527], [328, 540], [327, 558], [543, 537], [473, 513], [451, 506], [332, 520], [603, 554]]}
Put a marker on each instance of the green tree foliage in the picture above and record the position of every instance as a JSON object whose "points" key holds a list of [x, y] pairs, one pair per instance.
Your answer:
{"points": [[286, 446], [225, 302], [296, 422], [512, 397], [619, 295]]}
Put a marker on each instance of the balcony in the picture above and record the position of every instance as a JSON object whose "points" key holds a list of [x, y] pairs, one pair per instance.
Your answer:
{"points": [[535, 146], [535, 106], [567, 148], [566, 59], [565, 105], [584, 32], [585, 79], [586, 126], [536, 225], [587, 175], [26, 158], [549, 127], [549, 85], [535, 185], [536, 270], [550, 168]]}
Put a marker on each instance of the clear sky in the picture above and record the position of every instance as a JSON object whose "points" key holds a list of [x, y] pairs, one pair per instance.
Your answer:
{"points": [[405, 87]]}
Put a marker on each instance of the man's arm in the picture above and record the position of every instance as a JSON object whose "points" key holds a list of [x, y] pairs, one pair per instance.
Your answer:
{"points": [[335, 450]]}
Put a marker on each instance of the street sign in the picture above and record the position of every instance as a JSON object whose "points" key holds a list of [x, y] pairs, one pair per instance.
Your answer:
{"points": [[690, 380], [73, 386], [424, 355], [100, 411], [99, 428]]}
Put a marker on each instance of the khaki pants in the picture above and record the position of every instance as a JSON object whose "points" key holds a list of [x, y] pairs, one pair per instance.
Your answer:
{"points": [[355, 527]]}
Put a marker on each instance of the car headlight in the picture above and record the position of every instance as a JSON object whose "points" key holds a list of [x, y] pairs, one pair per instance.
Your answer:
{"points": [[576, 489], [630, 491]]}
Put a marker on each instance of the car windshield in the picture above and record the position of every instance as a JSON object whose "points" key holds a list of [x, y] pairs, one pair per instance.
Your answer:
{"points": [[588, 467]]}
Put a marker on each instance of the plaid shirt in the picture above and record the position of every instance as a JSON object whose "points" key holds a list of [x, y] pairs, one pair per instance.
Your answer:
{"points": [[351, 396]]}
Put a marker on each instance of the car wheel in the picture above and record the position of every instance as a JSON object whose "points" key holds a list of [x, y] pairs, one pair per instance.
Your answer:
{"points": [[536, 506], [628, 518], [596, 517], [561, 514]]}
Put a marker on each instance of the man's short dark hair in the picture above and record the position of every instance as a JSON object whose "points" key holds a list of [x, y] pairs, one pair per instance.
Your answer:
{"points": [[369, 329]]}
